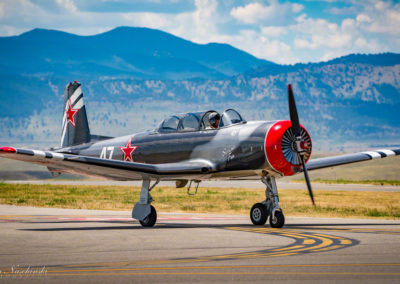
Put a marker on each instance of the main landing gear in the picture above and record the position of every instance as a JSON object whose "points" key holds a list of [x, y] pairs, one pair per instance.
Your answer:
{"points": [[260, 212], [143, 211]]}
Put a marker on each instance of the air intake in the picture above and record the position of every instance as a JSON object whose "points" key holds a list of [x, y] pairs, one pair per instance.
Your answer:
{"points": [[289, 146]]}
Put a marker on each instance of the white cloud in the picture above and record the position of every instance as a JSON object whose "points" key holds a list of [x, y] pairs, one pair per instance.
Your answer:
{"points": [[361, 42], [10, 30], [274, 31], [67, 5], [297, 8], [1, 10], [150, 20], [302, 43], [348, 25], [332, 39], [204, 18], [262, 47], [252, 13], [256, 12], [383, 17], [363, 18], [316, 33], [199, 26], [372, 46]]}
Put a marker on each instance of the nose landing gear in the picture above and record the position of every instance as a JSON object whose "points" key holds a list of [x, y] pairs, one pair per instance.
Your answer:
{"points": [[260, 212]]}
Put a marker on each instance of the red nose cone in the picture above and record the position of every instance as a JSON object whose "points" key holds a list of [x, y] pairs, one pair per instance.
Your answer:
{"points": [[273, 148]]}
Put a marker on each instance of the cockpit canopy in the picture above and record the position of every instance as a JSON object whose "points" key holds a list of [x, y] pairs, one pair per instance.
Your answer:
{"points": [[196, 121]]}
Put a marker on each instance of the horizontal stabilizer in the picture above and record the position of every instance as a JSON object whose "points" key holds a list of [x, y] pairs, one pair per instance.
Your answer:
{"points": [[95, 138]]}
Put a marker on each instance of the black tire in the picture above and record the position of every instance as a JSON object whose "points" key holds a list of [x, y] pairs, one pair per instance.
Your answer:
{"points": [[258, 214], [150, 220], [278, 221]]}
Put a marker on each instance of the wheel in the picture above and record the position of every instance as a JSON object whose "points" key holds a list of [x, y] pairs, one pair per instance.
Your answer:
{"points": [[258, 214], [150, 220], [278, 221]]}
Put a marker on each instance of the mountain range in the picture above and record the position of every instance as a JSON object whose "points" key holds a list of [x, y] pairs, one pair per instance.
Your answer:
{"points": [[133, 77], [141, 53]]}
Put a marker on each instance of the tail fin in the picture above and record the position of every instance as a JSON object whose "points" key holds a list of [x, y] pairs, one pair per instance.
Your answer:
{"points": [[75, 126]]}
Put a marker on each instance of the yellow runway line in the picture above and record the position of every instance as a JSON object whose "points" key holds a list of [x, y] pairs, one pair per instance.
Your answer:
{"points": [[328, 248], [288, 248]]}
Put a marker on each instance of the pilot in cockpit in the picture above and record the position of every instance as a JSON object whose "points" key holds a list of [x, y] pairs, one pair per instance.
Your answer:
{"points": [[214, 119]]}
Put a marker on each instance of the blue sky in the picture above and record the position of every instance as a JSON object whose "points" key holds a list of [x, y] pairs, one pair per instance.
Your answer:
{"points": [[280, 31]]}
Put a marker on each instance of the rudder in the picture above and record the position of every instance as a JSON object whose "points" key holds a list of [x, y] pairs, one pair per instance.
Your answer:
{"points": [[75, 126]]}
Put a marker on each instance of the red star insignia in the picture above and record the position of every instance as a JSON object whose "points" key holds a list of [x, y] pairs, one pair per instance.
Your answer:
{"points": [[70, 112], [128, 150]]}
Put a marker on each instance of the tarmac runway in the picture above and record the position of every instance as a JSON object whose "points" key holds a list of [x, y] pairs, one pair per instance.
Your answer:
{"points": [[91, 246]]}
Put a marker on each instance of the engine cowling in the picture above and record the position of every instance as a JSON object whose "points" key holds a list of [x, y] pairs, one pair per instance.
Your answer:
{"points": [[280, 143]]}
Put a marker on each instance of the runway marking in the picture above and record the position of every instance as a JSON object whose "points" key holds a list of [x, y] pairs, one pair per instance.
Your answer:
{"points": [[293, 247], [351, 230], [304, 242], [345, 242], [329, 248]]}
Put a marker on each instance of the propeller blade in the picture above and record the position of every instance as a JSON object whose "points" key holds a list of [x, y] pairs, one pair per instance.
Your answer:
{"points": [[307, 180], [294, 118]]}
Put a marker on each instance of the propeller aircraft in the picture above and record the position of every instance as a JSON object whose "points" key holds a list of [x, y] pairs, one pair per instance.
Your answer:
{"points": [[187, 148]]}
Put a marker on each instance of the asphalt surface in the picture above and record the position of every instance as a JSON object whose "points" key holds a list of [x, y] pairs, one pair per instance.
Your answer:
{"points": [[225, 184], [91, 246]]}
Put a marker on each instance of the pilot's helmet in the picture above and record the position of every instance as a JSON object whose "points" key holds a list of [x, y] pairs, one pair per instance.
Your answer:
{"points": [[213, 118]]}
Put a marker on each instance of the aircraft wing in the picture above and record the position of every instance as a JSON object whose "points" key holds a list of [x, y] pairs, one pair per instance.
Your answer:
{"points": [[327, 162], [119, 170]]}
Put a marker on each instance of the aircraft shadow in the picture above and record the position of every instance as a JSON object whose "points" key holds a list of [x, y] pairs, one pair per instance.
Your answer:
{"points": [[161, 226]]}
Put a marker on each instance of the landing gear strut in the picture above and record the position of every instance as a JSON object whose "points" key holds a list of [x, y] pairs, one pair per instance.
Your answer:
{"points": [[260, 212], [143, 211]]}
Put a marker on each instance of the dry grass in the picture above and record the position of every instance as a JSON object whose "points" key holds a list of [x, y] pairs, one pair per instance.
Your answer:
{"points": [[208, 200]]}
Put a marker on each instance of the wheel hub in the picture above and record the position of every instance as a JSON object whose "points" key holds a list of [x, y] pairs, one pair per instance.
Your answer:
{"points": [[257, 214]]}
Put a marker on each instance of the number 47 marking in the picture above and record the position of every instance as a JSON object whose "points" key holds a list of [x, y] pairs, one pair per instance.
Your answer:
{"points": [[104, 151]]}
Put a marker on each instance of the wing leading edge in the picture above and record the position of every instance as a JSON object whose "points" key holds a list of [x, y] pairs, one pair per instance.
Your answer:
{"points": [[114, 169], [327, 162]]}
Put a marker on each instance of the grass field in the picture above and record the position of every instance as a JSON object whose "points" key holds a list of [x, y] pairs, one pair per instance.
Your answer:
{"points": [[208, 200]]}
